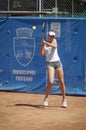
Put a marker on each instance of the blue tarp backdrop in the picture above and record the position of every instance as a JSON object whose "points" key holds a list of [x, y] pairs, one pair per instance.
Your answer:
{"points": [[21, 67]]}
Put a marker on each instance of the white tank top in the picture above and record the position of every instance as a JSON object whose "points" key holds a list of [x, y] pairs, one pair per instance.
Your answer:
{"points": [[51, 53]]}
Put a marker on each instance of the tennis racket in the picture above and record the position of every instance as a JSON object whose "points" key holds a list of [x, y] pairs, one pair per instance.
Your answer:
{"points": [[43, 31]]}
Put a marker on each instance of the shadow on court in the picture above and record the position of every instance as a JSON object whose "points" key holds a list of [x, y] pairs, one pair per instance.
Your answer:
{"points": [[30, 105]]}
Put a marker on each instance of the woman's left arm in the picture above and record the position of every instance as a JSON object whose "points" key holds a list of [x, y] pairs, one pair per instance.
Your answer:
{"points": [[54, 45]]}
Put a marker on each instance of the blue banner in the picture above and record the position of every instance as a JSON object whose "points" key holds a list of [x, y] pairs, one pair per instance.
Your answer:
{"points": [[21, 67]]}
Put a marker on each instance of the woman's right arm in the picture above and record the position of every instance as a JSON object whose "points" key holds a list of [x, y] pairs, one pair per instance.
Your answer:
{"points": [[42, 49]]}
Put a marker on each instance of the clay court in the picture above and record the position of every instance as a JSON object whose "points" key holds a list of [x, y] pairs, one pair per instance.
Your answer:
{"points": [[24, 111]]}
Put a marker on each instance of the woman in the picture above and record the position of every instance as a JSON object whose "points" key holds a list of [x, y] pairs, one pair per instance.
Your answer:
{"points": [[53, 64]]}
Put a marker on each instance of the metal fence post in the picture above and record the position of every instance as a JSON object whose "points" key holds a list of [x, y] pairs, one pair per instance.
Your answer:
{"points": [[72, 8], [40, 7], [8, 6]]}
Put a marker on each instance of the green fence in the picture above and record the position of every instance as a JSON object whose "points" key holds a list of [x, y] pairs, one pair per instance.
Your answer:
{"points": [[62, 8]]}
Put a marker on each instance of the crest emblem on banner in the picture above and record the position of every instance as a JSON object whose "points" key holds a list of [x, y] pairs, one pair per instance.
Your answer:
{"points": [[24, 46]]}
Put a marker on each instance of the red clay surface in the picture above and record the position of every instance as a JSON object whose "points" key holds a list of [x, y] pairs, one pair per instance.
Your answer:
{"points": [[23, 111]]}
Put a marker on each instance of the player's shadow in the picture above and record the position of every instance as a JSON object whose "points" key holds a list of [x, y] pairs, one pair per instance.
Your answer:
{"points": [[35, 106], [30, 105]]}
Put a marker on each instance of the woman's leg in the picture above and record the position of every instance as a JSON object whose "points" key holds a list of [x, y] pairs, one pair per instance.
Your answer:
{"points": [[60, 75], [50, 74]]}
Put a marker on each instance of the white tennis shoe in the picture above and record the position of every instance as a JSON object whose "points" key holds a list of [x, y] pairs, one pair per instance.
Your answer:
{"points": [[64, 103], [45, 102]]}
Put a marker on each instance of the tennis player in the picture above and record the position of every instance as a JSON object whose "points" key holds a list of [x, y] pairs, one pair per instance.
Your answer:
{"points": [[53, 65]]}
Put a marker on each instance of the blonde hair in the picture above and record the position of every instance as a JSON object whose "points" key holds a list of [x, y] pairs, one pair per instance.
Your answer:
{"points": [[52, 30]]}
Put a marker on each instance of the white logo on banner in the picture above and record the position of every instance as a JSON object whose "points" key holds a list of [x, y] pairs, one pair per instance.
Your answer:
{"points": [[24, 46], [56, 27]]}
